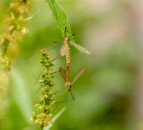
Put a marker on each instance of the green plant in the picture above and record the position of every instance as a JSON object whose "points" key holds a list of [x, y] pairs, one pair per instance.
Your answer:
{"points": [[19, 12], [44, 116]]}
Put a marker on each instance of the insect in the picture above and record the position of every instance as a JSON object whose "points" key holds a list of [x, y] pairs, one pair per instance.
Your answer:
{"points": [[65, 47], [69, 84], [65, 51]]}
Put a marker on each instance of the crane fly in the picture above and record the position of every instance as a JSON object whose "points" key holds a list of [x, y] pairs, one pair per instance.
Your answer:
{"points": [[66, 42], [65, 47], [65, 51], [69, 84]]}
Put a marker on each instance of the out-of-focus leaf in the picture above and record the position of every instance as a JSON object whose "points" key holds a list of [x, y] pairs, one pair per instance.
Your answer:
{"points": [[21, 94]]}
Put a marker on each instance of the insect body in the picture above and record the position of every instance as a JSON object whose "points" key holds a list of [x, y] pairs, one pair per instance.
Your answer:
{"points": [[65, 51], [69, 84], [65, 46]]}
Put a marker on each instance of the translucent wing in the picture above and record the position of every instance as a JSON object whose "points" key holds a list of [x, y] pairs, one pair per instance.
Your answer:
{"points": [[63, 49], [80, 48], [62, 73], [79, 73]]}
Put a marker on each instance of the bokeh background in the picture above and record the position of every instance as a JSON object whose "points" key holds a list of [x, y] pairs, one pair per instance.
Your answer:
{"points": [[109, 95]]}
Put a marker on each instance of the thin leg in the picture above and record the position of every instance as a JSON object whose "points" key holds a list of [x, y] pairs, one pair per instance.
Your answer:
{"points": [[58, 90], [55, 72], [54, 46], [38, 76], [62, 101], [57, 103], [55, 58], [48, 49], [72, 95]]}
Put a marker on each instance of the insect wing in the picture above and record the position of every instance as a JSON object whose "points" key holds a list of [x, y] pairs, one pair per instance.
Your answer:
{"points": [[79, 73], [63, 49], [62, 73], [80, 48]]}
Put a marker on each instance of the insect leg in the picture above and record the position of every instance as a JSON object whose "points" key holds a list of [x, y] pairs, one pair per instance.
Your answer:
{"points": [[72, 95]]}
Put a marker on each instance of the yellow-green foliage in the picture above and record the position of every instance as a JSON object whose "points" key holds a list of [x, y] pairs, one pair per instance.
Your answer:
{"points": [[15, 28], [43, 115]]}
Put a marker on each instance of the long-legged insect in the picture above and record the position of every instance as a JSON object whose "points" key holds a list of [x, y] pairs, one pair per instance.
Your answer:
{"points": [[65, 47], [65, 51], [69, 84]]}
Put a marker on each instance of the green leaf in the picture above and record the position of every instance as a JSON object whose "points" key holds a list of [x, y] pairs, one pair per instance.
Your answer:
{"points": [[63, 24], [60, 18]]}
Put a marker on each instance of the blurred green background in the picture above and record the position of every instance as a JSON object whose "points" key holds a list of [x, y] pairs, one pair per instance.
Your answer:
{"points": [[108, 94]]}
